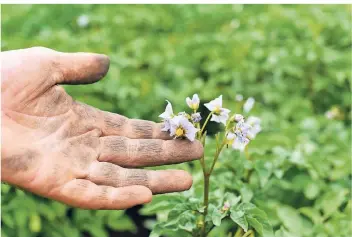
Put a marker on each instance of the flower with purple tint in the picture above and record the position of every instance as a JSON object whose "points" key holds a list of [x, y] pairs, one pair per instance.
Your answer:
{"points": [[181, 127], [226, 206], [220, 114], [194, 102], [196, 117], [237, 118], [238, 139]]}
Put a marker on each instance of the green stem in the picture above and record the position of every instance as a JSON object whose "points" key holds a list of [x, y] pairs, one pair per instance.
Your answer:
{"points": [[248, 233], [239, 232], [217, 154], [206, 174], [206, 202], [206, 121]]}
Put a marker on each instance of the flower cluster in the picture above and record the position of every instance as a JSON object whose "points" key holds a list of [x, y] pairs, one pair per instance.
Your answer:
{"points": [[179, 125], [238, 130]]}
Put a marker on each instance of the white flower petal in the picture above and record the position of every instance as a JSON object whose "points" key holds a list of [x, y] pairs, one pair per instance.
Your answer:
{"points": [[223, 118], [215, 118], [166, 126], [168, 113], [219, 101], [189, 102], [191, 132], [230, 136], [195, 99], [240, 143], [214, 104], [224, 110], [211, 106]]}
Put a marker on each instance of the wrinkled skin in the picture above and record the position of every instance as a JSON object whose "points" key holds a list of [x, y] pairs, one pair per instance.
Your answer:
{"points": [[59, 148]]}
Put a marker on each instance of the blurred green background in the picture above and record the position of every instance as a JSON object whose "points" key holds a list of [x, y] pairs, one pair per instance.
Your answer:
{"points": [[295, 60]]}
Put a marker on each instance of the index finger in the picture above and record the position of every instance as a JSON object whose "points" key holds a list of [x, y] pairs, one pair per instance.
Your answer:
{"points": [[115, 124]]}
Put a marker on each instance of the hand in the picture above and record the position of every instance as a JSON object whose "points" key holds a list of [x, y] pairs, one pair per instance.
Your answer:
{"points": [[59, 148]]}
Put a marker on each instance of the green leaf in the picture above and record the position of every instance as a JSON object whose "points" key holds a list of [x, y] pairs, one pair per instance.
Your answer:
{"points": [[246, 193], [290, 218], [264, 171], [282, 232], [8, 220], [216, 217], [231, 198], [121, 223], [97, 231], [255, 224], [312, 214], [331, 201], [240, 219], [21, 217], [312, 190]]}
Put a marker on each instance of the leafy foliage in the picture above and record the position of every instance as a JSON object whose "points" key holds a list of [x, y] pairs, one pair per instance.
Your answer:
{"points": [[294, 60]]}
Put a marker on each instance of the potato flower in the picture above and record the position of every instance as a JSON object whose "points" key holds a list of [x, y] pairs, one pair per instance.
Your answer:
{"points": [[220, 114], [181, 127], [194, 102], [254, 122]]}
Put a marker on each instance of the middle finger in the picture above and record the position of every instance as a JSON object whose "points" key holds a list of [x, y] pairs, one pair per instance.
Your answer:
{"points": [[127, 152]]}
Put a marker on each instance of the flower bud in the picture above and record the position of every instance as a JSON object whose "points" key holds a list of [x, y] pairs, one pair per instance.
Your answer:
{"points": [[237, 117], [196, 118], [226, 206], [194, 102]]}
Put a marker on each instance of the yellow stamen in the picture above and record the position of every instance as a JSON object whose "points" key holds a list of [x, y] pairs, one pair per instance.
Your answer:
{"points": [[217, 110], [180, 132]]}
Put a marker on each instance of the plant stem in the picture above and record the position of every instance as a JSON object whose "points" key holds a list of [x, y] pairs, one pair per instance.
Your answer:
{"points": [[217, 154], [239, 232], [205, 202], [206, 174], [248, 233], [206, 121]]}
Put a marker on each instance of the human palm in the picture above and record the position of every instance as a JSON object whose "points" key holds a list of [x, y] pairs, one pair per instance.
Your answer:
{"points": [[62, 149]]}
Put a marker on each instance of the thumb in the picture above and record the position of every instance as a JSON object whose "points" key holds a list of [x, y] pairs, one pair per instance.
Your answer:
{"points": [[81, 68]]}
